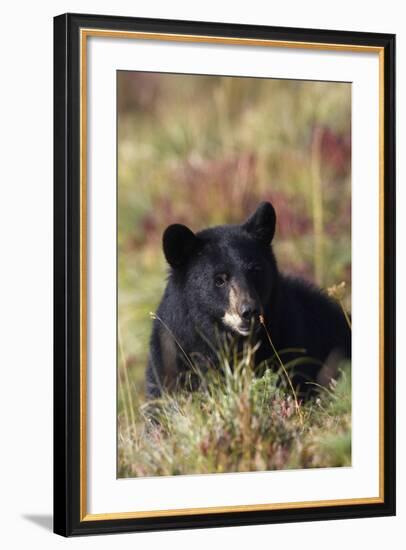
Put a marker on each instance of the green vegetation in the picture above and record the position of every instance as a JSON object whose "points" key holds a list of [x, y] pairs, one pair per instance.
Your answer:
{"points": [[205, 150], [238, 422]]}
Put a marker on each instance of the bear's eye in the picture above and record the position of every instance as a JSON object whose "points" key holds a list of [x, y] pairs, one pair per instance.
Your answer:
{"points": [[220, 279]]}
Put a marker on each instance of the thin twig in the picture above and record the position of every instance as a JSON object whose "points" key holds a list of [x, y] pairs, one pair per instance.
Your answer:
{"points": [[347, 318], [298, 410], [317, 204], [337, 293], [155, 316]]}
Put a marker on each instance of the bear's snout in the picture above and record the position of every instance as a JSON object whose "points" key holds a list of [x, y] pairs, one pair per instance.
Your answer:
{"points": [[242, 311], [248, 311]]}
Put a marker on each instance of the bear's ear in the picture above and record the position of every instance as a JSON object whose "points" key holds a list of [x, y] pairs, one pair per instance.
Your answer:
{"points": [[179, 243], [261, 224]]}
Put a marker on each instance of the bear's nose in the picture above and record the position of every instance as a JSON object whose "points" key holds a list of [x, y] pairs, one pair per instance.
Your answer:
{"points": [[248, 311]]}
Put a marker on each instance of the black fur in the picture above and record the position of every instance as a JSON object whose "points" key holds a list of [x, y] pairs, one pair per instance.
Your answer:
{"points": [[203, 268]]}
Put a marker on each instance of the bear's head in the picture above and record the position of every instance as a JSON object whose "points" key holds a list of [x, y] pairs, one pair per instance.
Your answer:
{"points": [[225, 273]]}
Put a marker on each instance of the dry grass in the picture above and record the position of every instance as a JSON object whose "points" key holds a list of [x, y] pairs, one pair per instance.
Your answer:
{"points": [[237, 422]]}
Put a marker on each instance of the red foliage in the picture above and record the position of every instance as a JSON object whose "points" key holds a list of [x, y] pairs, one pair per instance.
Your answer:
{"points": [[336, 151]]}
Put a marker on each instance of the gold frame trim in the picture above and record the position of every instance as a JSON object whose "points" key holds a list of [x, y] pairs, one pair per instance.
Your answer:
{"points": [[173, 37]]}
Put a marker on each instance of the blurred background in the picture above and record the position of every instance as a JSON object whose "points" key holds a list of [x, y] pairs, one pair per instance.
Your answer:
{"points": [[204, 150]]}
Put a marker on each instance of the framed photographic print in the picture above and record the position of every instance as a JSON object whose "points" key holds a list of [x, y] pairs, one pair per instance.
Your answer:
{"points": [[224, 260]]}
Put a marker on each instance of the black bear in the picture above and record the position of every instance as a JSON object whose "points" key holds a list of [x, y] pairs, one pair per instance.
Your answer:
{"points": [[226, 279]]}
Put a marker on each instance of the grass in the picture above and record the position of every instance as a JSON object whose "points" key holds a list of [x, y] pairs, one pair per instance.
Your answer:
{"points": [[237, 422]]}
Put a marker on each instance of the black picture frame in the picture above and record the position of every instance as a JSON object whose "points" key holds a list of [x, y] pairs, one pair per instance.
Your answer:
{"points": [[68, 519]]}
